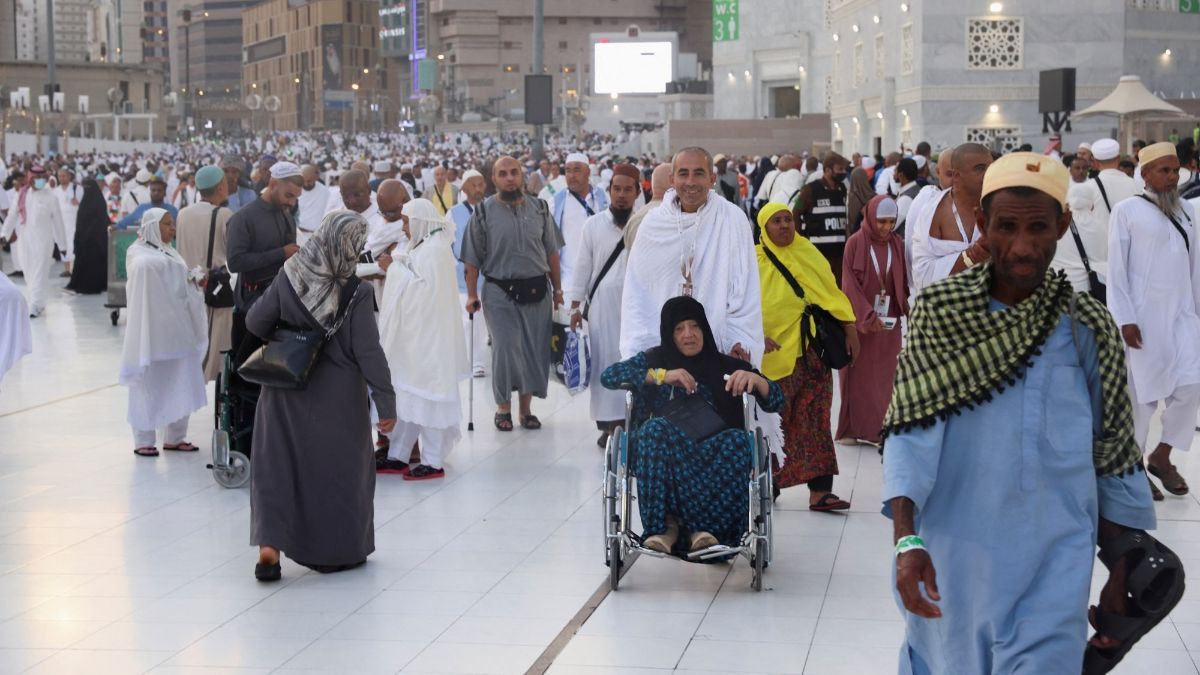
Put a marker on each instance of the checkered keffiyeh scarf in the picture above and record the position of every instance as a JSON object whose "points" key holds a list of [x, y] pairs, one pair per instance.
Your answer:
{"points": [[959, 352]]}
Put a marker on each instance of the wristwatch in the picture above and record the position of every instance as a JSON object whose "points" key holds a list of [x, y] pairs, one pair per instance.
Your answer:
{"points": [[967, 260]]}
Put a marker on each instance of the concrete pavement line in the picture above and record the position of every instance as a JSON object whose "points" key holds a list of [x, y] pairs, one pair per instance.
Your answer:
{"points": [[59, 400], [543, 662]]}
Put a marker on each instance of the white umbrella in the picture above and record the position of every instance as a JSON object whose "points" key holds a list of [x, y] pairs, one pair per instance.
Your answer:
{"points": [[1128, 100]]}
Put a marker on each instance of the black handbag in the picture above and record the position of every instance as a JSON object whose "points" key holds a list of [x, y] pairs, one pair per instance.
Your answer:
{"points": [[818, 327], [692, 415], [288, 357], [1096, 288], [523, 291], [218, 288]]}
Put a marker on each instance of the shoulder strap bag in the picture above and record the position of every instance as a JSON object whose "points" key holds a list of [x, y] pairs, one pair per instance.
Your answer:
{"points": [[612, 260], [1097, 289], [1179, 228], [830, 335], [1103, 193], [287, 359], [218, 289]]}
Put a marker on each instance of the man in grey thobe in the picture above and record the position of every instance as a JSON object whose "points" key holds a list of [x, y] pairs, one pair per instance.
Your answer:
{"points": [[515, 243]]}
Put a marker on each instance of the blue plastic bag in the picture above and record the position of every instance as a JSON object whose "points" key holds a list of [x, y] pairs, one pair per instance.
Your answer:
{"points": [[577, 362]]}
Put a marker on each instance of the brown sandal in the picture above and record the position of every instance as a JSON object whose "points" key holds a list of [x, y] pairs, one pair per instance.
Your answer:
{"points": [[1171, 480]]}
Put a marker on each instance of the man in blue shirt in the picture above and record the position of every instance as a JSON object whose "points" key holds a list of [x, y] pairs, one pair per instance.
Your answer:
{"points": [[158, 200], [473, 187], [239, 194]]}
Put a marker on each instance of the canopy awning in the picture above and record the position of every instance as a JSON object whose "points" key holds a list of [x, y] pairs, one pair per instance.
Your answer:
{"points": [[1129, 98]]}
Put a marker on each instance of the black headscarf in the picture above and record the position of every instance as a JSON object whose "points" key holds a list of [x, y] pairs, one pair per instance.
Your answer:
{"points": [[709, 367], [764, 167], [92, 207]]}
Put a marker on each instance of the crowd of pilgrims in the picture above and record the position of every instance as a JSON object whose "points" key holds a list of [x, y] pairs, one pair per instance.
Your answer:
{"points": [[689, 275]]}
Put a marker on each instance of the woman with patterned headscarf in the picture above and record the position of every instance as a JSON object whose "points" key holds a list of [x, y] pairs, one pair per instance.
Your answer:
{"points": [[313, 479], [420, 309], [165, 339]]}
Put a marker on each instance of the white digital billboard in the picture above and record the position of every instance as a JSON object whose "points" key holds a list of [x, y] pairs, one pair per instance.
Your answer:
{"points": [[628, 67]]}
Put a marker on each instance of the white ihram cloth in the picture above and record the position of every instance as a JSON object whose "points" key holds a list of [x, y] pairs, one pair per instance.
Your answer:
{"points": [[596, 244], [65, 239], [16, 339], [313, 207], [420, 324], [928, 195], [724, 275], [933, 258], [166, 336], [786, 185], [1091, 218], [43, 218], [1154, 282]]}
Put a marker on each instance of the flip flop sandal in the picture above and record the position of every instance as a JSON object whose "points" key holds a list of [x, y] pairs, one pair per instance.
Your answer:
{"points": [[1155, 493], [830, 502], [181, 447], [1171, 480], [146, 452], [531, 422], [1154, 586], [503, 421]]}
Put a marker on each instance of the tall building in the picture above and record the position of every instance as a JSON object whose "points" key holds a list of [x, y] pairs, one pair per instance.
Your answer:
{"points": [[205, 48], [83, 30], [318, 61], [950, 71], [475, 54], [156, 45]]}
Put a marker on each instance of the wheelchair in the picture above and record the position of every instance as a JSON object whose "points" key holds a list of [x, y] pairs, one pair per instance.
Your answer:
{"points": [[622, 546], [233, 427]]}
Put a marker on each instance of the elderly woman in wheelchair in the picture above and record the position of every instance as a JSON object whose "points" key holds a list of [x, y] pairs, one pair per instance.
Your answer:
{"points": [[693, 453]]}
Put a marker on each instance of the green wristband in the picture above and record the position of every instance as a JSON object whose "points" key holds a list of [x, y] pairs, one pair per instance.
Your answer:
{"points": [[910, 543]]}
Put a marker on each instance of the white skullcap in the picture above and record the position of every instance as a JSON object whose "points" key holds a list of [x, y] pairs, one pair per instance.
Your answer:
{"points": [[143, 176], [920, 160], [577, 157], [281, 170], [1084, 146], [1106, 149], [868, 162], [382, 166], [471, 173], [112, 176]]}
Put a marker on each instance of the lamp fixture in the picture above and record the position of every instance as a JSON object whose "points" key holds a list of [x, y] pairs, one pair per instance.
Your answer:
{"points": [[996, 7], [994, 109]]}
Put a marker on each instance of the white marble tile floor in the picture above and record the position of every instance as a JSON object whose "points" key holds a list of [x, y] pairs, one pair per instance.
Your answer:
{"points": [[110, 563]]}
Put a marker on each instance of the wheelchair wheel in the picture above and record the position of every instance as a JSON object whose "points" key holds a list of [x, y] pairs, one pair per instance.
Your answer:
{"points": [[237, 474], [612, 520], [760, 564], [766, 493]]}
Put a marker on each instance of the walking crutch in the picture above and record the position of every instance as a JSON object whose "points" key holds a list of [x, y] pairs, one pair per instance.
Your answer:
{"points": [[471, 359]]}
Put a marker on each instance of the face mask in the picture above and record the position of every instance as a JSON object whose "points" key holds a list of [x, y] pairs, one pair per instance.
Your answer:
{"points": [[839, 177], [39, 183]]}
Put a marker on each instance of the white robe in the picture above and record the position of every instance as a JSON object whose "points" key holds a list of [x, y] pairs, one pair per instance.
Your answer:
{"points": [[933, 258], [1092, 220], [724, 275], [786, 186], [166, 338], [1154, 282], [36, 243], [68, 204], [930, 194], [600, 237], [16, 339], [420, 329], [313, 207]]}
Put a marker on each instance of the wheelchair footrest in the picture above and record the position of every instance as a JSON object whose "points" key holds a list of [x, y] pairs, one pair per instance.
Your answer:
{"points": [[718, 551]]}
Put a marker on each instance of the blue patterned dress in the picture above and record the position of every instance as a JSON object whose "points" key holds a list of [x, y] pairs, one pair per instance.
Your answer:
{"points": [[702, 484]]}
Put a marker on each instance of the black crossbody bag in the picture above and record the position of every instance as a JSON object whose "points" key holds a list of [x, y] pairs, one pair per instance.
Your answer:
{"points": [[1095, 287], [830, 340], [1186, 244], [692, 415], [218, 289], [612, 259], [288, 357]]}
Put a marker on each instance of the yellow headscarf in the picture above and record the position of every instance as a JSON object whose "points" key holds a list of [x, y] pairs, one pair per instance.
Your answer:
{"points": [[780, 305]]}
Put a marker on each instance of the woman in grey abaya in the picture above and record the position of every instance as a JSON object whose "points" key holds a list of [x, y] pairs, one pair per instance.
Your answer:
{"points": [[313, 478]]}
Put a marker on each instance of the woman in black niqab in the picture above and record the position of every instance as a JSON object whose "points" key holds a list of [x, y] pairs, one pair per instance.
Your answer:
{"points": [[90, 272]]}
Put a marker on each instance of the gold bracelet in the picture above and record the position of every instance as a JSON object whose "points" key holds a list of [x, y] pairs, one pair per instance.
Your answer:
{"points": [[660, 375]]}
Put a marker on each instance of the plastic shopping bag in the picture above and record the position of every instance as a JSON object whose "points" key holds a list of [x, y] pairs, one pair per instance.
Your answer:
{"points": [[577, 362]]}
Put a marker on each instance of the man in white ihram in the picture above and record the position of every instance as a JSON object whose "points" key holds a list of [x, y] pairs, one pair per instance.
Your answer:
{"points": [[16, 338], [40, 217], [1154, 296], [313, 204], [697, 243], [572, 208]]}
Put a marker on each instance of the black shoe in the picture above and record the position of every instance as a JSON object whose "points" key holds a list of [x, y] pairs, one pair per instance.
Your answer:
{"points": [[18, 273], [268, 572], [603, 440], [331, 569]]}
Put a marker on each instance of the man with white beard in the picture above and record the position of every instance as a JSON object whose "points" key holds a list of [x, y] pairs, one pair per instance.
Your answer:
{"points": [[1154, 296], [40, 217], [313, 204], [572, 207]]}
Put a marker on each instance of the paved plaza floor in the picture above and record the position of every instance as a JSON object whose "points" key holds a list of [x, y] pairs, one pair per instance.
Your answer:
{"points": [[111, 563]]}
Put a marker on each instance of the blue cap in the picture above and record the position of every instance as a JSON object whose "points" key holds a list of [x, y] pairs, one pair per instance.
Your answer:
{"points": [[209, 177]]}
